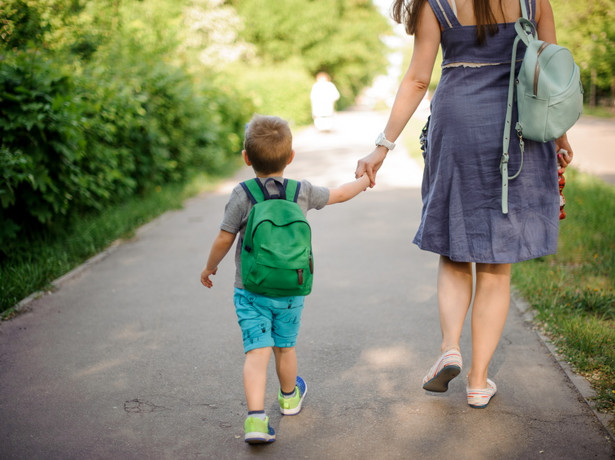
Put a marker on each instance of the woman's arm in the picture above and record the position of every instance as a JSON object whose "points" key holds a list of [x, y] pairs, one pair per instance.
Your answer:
{"points": [[411, 91], [546, 32], [545, 22]]}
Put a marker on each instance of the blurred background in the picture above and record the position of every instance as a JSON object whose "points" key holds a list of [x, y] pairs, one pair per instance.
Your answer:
{"points": [[129, 106]]}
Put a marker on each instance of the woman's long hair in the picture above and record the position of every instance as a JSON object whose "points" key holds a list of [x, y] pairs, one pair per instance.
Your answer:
{"points": [[406, 12]]}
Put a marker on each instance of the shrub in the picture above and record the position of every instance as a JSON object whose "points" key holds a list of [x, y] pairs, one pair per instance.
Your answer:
{"points": [[41, 143], [277, 89], [75, 143]]}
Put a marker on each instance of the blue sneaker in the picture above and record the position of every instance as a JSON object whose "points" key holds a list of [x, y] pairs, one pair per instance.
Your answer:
{"points": [[292, 406], [258, 431]]}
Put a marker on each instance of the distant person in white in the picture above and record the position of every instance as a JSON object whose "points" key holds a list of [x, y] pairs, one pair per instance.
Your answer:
{"points": [[324, 95]]}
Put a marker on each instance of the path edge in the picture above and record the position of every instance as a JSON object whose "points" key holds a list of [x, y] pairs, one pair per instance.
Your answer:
{"points": [[582, 385]]}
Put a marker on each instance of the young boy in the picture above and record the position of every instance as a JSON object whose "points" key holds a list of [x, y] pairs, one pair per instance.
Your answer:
{"points": [[268, 323]]}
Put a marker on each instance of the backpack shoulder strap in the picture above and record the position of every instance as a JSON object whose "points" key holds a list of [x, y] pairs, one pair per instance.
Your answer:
{"points": [[292, 188], [507, 125], [257, 192], [254, 190]]}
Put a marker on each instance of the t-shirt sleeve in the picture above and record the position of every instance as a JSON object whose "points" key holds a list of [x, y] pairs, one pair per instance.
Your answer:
{"points": [[235, 211], [316, 196]]}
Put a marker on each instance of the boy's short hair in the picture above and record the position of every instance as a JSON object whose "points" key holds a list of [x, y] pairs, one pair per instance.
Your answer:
{"points": [[268, 143]]}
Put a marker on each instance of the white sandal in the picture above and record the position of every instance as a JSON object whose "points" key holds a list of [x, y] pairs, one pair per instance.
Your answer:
{"points": [[479, 398], [443, 371]]}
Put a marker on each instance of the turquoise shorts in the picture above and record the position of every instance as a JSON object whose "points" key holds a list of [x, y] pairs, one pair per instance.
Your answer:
{"points": [[266, 321]]}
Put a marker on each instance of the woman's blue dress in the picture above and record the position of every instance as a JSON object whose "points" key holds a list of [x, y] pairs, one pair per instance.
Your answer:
{"points": [[462, 187]]}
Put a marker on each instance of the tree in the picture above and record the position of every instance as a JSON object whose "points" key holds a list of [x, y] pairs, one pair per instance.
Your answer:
{"points": [[341, 37], [587, 28]]}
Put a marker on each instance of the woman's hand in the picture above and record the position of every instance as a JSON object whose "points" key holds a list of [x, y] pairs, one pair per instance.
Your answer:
{"points": [[564, 153], [371, 164]]}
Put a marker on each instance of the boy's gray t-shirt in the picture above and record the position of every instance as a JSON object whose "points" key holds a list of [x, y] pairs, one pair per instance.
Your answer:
{"points": [[239, 205]]}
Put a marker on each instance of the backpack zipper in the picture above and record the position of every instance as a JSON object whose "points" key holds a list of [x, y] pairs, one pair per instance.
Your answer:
{"points": [[537, 69]]}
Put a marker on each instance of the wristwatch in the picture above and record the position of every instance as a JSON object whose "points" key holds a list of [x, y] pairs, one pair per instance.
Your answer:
{"points": [[382, 140]]}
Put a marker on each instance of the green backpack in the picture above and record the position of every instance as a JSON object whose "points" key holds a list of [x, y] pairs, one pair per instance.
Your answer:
{"points": [[276, 252]]}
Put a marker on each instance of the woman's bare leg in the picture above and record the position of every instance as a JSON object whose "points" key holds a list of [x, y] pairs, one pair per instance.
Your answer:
{"points": [[489, 312], [454, 297]]}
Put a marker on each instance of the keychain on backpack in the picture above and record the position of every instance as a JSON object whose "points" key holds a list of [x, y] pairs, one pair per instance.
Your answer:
{"points": [[562, 183]]}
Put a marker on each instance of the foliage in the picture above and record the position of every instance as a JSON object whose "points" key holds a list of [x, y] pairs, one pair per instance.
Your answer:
{"points": [[587, 28], [281, 89], [41, 145], [81, 132], [20, 23], [209, 35], [340, 37], [574, 290], [107, 100]]}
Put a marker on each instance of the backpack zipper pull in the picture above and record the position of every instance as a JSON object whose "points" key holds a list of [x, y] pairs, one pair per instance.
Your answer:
{"points": [[300, 276]]}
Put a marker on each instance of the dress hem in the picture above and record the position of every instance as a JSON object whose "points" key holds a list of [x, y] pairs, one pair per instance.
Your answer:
{"points": [[482, 261]]}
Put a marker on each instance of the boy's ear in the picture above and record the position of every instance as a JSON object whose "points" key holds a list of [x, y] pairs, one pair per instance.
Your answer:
{"points": [[244, 154], [292, 157]]}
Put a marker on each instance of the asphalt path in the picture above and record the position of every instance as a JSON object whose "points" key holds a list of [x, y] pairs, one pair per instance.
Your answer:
{"points": [[593, 140], [131, 358]]}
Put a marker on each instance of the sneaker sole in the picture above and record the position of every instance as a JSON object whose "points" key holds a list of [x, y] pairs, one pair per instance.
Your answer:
{"points": [[439, 384], [258, 438]]}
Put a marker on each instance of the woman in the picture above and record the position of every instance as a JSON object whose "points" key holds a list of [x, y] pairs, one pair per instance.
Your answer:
{"points": [[462, 217]]}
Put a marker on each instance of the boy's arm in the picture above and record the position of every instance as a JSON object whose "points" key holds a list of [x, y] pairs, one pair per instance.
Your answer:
{"points": [[220, 247], [349, 190]]}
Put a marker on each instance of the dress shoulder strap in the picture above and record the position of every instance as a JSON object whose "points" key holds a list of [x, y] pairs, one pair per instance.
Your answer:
{"points": [[445, 14]]}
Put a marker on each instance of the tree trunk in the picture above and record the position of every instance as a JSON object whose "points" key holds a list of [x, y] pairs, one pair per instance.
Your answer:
{"points": [[592, 89]]}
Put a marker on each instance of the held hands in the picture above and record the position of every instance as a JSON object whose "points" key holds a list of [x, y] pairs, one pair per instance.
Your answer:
{"points": [[370, 164]]}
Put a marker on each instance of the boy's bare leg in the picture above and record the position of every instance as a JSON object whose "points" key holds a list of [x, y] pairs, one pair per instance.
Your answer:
{"points": [[286, 367], [255, 377], [489, 312], [454, 297]]}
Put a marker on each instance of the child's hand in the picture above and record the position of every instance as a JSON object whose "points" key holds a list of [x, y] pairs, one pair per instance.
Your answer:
{"points": [[364, 179], [370, 165], [205, 274]]}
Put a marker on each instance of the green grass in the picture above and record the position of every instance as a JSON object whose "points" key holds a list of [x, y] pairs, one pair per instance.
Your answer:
{"points": [[37, 262], [410, 139], [601, 112], [573, 291]]}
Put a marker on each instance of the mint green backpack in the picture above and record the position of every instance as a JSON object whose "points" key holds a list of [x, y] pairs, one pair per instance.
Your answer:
{"points": [[549, 94], [276, 252], [549, 90]]}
